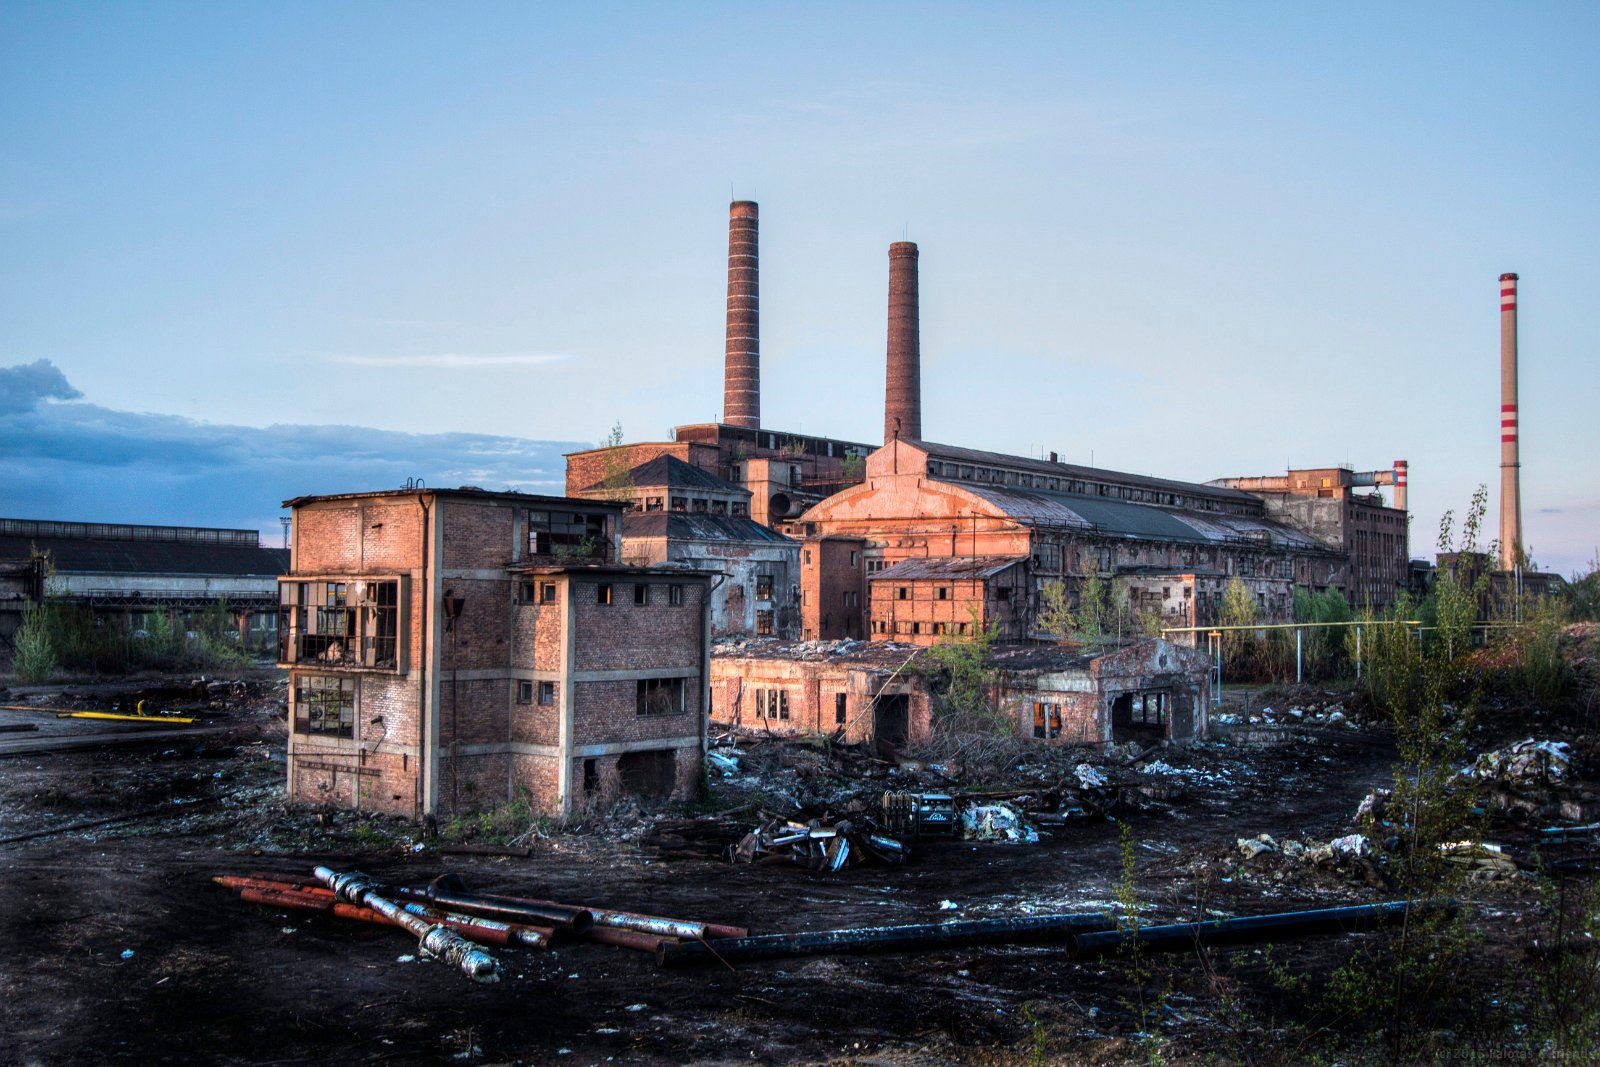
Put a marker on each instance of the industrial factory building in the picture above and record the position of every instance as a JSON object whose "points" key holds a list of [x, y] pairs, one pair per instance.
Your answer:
{"points": [[455, 649]]}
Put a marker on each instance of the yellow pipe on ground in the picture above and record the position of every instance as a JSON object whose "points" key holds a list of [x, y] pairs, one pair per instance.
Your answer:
{"points": [[60, 714]]}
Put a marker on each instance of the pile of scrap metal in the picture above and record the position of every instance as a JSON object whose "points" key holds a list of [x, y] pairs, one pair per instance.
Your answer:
{"points": [[450, 922], [818, 844]]}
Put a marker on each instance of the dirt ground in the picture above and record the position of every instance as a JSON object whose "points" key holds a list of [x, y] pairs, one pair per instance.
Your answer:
{"points": [[118, 948]]}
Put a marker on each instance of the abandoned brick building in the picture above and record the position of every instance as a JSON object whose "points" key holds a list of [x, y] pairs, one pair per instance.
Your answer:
{"points": [[876, 692], [454, 649], [680, 515]]}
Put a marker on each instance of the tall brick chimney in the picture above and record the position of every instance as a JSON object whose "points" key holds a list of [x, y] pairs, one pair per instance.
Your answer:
{"points": [[1510, 459], [741, 378], [902, 406], [1402, 470]]}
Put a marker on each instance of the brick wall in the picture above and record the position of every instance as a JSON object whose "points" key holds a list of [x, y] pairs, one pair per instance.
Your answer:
{"points": [[628, 636]]}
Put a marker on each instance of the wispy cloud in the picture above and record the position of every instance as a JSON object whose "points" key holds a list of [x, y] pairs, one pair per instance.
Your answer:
{"points": [[452, 360]]}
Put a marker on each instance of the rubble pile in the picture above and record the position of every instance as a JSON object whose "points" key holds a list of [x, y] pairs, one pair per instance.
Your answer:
{"points": [[817, 844], [1535, 780]]}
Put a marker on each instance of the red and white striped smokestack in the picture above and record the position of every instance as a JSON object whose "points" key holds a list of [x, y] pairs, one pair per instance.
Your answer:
{"points": [[741, 377], [1510, 459], [902, 405], [1401, 470]]}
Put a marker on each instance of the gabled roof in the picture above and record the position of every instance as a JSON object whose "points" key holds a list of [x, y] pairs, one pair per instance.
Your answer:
{"points": [[947, 568], [672, 473], [699, 526]]}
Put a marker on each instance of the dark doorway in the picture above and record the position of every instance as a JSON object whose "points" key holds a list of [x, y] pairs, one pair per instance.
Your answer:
{"points": [[1140, 716], [648, 774], [891, 724]]}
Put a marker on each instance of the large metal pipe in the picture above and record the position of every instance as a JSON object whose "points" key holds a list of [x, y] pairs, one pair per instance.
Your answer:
{"points": [[741, 375], [1510, 457], [1248, 928], [437, 939], [504, 908], [902, 401], [910, 938]]}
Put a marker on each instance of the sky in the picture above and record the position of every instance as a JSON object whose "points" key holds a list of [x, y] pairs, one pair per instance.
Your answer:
{"points": [[249, 251]]}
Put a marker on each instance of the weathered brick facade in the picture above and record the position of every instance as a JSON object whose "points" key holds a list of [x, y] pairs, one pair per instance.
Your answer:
{"points": [[833, 588], [505, 676], [1148, 690]]}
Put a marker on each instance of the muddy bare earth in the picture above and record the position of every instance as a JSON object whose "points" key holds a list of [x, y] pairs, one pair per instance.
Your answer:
{"points": [[118, 947]]}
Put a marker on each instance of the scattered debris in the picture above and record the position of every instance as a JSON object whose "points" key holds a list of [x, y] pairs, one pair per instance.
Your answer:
{"points": [[996, 822], [1526, 763], [817, 844]]}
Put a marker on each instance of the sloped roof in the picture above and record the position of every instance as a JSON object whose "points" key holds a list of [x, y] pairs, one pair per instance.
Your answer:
{"points": [[1073, 470], [672, 473], [81, 556], [699, 526], [1122, 518], [947, 568]]}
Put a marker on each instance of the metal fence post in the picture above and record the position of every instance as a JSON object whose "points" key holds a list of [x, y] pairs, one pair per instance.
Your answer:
{"points": [[1358, 653], [1297, 671]]}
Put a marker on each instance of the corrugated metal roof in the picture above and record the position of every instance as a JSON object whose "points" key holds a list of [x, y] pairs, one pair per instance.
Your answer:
{"points": [[1073, 470], [947, 568], [75, 556], [698, 526], [1122, 518]]}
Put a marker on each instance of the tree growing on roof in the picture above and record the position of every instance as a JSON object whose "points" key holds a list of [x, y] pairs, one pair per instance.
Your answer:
{"points": [[617, 474]]}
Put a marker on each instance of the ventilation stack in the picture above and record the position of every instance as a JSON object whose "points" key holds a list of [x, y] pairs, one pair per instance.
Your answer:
{"points": [[741, 379], [1510, 460], [1401, 470], [902, 406]]}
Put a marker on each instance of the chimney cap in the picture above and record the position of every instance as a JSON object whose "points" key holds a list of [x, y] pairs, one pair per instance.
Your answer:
{"points": [[742, 207], [1508, 277], [903, 248]]}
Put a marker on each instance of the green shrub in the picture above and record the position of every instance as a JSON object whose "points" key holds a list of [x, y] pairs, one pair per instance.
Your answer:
{"points": [[35, 658]]}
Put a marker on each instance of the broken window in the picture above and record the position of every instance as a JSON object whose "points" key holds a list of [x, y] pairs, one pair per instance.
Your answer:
{"points": [[772, 703], [675, 595], [719, 507], [659, 696], [324, 705], [1046, 720], [854, 558], [764, 623], [547, 592], [1148, 709], [568, 534], [839, 709], [524, 692], [602, 593], [902, 593], [641, 593], [680, 503], [738, 507], [763, 587], [944, 592], [808, 555], [528, 592], [652, 503], [701, 504], [348, 624]]}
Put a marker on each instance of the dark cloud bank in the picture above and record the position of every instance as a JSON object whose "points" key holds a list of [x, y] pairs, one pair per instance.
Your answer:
{"points": [[64, 459]]}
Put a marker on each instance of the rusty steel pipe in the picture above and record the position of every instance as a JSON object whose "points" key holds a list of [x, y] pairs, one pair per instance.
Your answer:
{"points": [[482, 931], [507, 909], [659, 925], [634, 939], [916, 937], [356, 888]]}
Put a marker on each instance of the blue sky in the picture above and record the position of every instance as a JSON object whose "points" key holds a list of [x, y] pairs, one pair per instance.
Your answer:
{"points": [[1184, 239]]}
